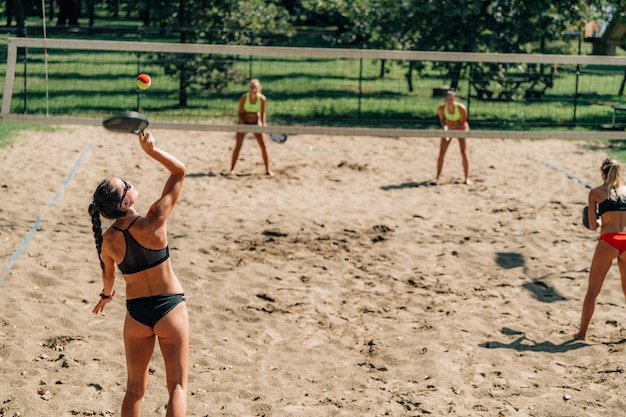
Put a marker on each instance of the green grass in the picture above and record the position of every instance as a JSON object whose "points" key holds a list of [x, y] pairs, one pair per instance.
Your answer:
{"points": [[10, 129], [301, 91], [617, 149], [326, 92]]}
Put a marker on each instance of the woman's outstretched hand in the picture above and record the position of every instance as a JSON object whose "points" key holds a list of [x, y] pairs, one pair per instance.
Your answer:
{"points": [[147, 141], [100, 306]]}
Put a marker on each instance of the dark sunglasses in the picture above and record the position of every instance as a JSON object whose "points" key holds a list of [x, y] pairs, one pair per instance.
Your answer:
{"points": [[127, 186]]}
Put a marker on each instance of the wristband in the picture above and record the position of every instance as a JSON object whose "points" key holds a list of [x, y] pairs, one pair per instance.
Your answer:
{"points": [[107, 297]]}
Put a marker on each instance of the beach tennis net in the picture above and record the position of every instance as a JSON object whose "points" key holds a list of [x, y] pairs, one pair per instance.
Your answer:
{"points": [[316, 90]]}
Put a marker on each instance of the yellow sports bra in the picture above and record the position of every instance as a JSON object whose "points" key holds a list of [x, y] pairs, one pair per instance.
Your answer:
{"points": [[453, 117], [252, 108]]}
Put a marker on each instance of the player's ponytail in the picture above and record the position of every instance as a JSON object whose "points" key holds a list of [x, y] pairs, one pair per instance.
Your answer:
{"points": [[96, 227], [612, 170], [106, 201]]}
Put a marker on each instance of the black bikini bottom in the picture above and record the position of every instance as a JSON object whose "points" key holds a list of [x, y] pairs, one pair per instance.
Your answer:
{"points": [[149, 310]]}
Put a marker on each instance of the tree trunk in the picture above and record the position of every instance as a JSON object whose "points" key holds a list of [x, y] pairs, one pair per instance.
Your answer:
{"points": [[91, 12], [51, 10], [9, 7], [455, 75], [69, 11], [409, 76], [20, 17], [182, 85], [115, 8]]}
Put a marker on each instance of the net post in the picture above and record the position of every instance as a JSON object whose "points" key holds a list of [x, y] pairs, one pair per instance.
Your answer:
{"points": [[10, 77]]}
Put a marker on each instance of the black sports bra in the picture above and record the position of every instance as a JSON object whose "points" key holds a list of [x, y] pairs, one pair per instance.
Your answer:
{"points": [[138, 258], [611, 205]]}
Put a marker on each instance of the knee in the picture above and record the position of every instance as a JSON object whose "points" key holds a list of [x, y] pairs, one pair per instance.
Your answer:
{"points": [[135, 392]]}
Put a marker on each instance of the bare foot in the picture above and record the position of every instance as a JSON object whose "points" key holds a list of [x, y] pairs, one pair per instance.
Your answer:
{"points": [[434, 182], [578, 336]]}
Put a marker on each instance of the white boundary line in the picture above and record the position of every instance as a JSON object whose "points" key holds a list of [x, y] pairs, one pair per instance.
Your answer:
{"points": [[33, 229]]}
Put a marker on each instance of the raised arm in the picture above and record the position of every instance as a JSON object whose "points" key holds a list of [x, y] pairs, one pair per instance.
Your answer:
{"points": [[161, 208]]}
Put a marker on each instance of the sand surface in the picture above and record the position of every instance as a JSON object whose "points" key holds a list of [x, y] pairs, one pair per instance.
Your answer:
{"points": [[343, 286]]}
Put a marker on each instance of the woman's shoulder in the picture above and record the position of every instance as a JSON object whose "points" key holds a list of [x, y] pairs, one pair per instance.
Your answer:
{"points": [[149, 227], [112, 237], [598, 193]]}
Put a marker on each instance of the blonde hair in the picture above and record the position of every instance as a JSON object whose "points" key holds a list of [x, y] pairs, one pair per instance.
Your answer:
{"points": [[257, 82], [612, 170]]}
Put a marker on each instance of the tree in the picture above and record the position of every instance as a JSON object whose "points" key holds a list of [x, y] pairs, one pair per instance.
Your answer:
{"points": [[446, 25], [243, 22]]}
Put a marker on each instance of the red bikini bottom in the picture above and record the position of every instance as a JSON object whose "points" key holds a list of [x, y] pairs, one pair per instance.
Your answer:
{"points": [[617, 240]]}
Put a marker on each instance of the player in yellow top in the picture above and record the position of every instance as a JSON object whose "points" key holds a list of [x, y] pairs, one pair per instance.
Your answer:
{"points": [[251, 111], [452, 116]]}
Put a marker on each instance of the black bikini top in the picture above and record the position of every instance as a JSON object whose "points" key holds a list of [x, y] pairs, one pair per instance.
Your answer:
{"points": [[611, 204], [138, 258]]}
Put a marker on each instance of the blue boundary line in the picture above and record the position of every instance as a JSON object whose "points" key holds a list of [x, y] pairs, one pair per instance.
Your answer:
{"points": [[567, 174], [33, 229]]}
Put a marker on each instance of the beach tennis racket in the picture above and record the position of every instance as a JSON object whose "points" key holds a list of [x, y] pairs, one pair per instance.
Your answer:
{"points": [[126, 122], [586, 216], [278, 137]]}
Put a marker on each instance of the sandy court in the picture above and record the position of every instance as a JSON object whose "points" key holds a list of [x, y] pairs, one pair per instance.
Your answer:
{"points": [[344, 286]]}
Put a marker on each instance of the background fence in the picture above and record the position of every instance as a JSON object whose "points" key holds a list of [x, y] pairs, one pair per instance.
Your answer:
{"points": [[315, 90]]}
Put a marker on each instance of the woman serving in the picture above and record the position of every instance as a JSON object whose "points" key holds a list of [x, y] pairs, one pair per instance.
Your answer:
{"points": [[155, 301]]}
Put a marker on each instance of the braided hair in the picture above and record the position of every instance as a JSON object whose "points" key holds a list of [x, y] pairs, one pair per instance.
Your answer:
{"points": [[106, 201], [612, 171]]}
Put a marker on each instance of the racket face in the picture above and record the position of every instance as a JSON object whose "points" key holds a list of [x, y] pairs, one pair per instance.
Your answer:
{"points": [[586, 216], [278, 137], [126, 122]]}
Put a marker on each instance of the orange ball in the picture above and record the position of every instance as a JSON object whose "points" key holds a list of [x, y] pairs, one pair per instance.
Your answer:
{"points": [[143, 81]]}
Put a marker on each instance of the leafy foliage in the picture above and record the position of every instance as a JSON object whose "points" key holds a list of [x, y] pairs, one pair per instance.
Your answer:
{"points": [[509, 26], [239, 22], [452, 25]]}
